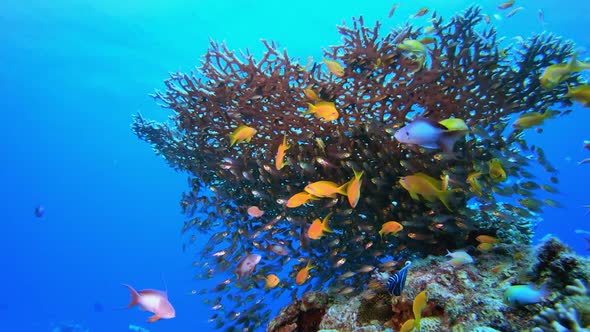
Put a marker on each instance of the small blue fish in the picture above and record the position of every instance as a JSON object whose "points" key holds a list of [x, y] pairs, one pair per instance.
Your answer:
{"points": [[429, 134], [396, 283], [519, 295]]}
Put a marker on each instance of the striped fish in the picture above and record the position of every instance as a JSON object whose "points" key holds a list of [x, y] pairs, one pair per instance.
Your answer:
{"points": [[396, 283]]}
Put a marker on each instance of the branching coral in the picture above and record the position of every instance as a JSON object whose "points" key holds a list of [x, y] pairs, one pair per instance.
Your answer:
{"points": [[468, 76]]}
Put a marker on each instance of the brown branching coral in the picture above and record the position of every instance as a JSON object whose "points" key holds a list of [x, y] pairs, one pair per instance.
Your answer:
{"points": [[467, 75]]}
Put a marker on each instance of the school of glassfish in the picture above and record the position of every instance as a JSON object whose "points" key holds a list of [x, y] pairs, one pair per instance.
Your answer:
{"points": [[328, 201]]}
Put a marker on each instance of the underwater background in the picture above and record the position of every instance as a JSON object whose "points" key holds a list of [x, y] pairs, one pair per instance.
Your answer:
{"points": [[73, 74]]}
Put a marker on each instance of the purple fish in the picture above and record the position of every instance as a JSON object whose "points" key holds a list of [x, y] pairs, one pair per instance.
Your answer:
{"points": [[39, 211], [429, 134]]}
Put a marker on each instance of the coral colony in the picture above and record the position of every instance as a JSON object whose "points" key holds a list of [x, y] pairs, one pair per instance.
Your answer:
{"points": [[399, 145]]}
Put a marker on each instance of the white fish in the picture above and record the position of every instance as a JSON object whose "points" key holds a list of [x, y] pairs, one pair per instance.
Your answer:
{"points": [[429, 134], [154, 301]]}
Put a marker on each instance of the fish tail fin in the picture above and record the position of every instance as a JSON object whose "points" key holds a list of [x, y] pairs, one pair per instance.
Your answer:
{"points": [[311, 108], [325, 226], [444, 197], [233, 139], [572, 65], [544, 290], [134, 296], [342, 189]]}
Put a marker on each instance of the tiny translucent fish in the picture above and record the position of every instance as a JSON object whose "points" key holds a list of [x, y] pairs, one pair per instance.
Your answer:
{"points": [[392, 10], [334, 67], [514, 11], [423, 11], [506, 4]]}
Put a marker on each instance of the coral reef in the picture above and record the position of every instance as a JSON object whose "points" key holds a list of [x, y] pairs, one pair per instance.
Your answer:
{"points": [[465, 74], [467, 297]]}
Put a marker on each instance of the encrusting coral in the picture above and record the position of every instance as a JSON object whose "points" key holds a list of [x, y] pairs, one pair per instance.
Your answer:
{"points": [[467, 298], [232, 117]]}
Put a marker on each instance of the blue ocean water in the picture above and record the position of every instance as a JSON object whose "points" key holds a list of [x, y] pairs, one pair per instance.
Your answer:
{"points": [[74, 72]]}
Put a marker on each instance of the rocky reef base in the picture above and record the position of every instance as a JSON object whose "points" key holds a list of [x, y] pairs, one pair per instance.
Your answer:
{"points": [[469, 297]]}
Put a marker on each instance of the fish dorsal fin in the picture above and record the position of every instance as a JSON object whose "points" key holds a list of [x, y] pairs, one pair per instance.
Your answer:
{"points": [[152, 292], [431, 122]]}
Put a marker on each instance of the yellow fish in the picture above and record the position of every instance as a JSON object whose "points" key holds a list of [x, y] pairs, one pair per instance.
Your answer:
{"points": [[311, 95], [279, 160], [353, 189], [334, 67], [390, 227], [474, 185], [428, 187], [581, 94], [417, 307], [325, 189], [415, 48], [407, 326], [317, 228], [555, 74], [486, 239], [272, 281], [496, 170], [303, 274], [483, 247], [242, 133], [454, 124], [299, 199], [325, 110], [529, 120]]}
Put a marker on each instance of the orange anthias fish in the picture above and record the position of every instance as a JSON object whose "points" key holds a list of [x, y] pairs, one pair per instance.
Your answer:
{"points": [[242, 133], [353, 189], [279, 160], [325, 189], [323, 110], [300, 199], [334, 67], [390, 227], [272, 281], [317, 228], [303, 274], [154, 301]]}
